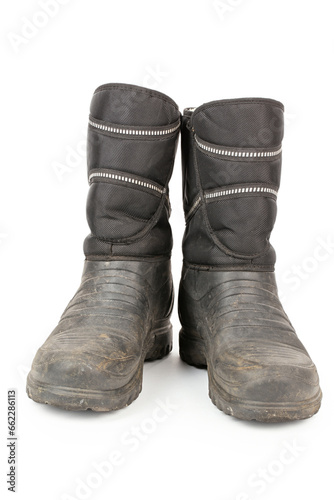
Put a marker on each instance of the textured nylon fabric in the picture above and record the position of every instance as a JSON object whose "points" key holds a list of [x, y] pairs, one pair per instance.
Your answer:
{"points": [[118, 212], [218, 172], [150, 158], [235, 224], [133, 105], [240, 122], [123, 217], [239, 227]]}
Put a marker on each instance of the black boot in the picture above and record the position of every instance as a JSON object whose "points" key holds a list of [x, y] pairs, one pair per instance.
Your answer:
{"points": [[119, 317], [232, 319]]}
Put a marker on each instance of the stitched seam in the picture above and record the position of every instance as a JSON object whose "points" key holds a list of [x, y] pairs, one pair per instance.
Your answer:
{"points": [[236, 102], [141, 233], [142, 90], [241, 266], [93, 257]]}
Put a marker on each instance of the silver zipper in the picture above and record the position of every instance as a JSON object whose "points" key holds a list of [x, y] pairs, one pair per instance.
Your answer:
{"points": [[128, 131], [244, 190], [236, 153], [128, 180], [193, 208]]}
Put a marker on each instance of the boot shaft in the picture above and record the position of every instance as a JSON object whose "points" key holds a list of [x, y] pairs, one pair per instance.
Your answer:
{"points": [[132, 140], [231, 160]]}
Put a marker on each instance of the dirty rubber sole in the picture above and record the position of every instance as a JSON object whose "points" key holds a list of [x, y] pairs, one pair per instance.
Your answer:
{"points": [[78, 399], [192, 352]]}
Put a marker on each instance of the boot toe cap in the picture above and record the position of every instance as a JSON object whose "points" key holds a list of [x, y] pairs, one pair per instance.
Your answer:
{"points": [[85, 365], [284, 375]]}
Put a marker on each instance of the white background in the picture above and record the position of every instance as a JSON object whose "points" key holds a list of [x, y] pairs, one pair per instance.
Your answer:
{"points": [[195, 52]]}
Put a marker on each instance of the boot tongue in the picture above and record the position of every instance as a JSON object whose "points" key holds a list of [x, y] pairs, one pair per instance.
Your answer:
{"points": [[251, 123], [125, 104]]}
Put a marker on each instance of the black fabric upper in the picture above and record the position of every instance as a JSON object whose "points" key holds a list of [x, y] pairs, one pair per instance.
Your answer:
{"points": [[125, 216], [231, 230]]}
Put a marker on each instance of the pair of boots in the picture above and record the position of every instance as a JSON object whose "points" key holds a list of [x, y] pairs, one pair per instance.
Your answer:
{"points": [[232, 320]]}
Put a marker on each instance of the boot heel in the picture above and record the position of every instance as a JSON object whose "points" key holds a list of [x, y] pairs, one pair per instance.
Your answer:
{"points": [[192, 349], [162, 342]]}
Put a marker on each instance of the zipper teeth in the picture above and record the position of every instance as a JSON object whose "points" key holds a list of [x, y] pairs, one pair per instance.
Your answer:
{"points": [[193, 208], [253, 189], [128, 180], [129, 131], [235, 153]]}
